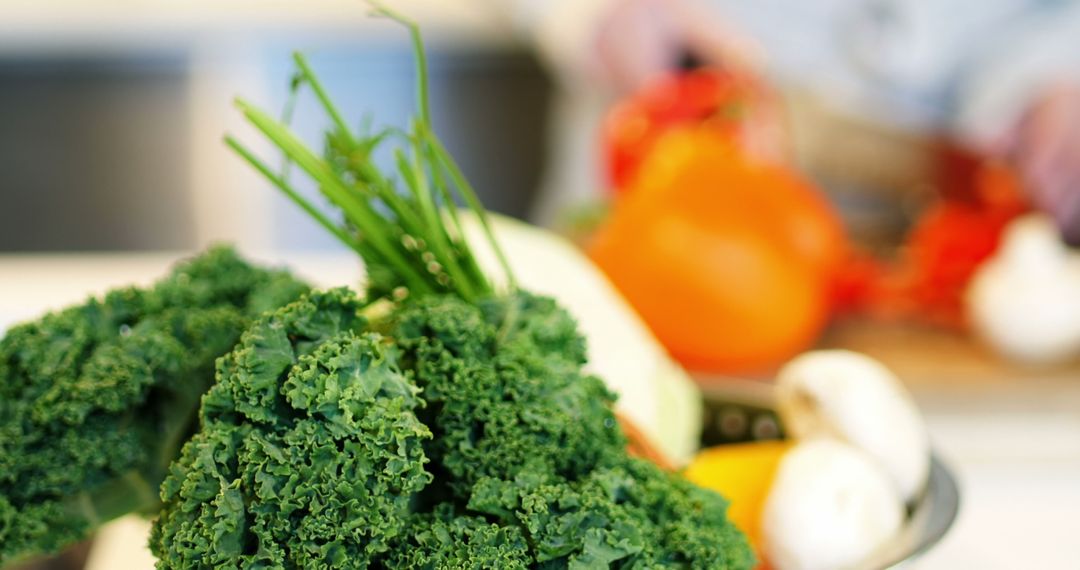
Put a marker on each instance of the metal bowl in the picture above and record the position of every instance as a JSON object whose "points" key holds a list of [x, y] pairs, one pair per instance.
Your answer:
{"points": [[743, 410]]}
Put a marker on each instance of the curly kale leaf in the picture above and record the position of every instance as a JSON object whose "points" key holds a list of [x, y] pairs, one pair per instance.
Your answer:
{"points": [[691, 525], [505, 394], [466, 438], [527, 443], [629, 515], [309, 453], [529, 467], [96, 399], [448, 539]]}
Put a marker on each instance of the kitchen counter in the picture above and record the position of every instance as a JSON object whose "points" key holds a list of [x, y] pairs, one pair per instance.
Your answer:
{"points": [[1012, 435]]}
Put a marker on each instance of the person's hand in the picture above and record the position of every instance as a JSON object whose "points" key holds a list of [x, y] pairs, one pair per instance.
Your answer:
{"points": [[1046, 147], [636, 41], [640, 39]]}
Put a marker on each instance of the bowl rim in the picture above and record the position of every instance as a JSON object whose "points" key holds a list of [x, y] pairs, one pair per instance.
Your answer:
{"points": [[930, 516]]}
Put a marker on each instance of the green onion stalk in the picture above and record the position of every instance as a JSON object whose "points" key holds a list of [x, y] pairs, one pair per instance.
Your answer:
{"points": [[406, 229]]}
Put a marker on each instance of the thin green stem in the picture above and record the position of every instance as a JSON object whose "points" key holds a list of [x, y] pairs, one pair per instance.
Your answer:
{"points": [[407, 232], [370, 180], [287, 117], [406, 217], [322, 96], [282, 184], [441, 241], [469, 195], [426, 132], [373, 228], [422, 100], [439, 182]]}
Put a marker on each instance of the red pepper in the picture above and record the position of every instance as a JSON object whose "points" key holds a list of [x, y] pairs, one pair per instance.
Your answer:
{"points": [[943, 249], [704, 96]]}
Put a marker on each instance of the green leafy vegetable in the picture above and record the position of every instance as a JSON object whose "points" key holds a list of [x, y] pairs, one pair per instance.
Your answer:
{"points": [[309, 454], [446, 539], [405, 241], [453, 428], [500, 405], [96, 400], [439, 445], [527, 442]]}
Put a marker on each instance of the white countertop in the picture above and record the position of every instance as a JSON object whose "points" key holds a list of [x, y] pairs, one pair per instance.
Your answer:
{"points": [[31, 284], [1018, 466]]}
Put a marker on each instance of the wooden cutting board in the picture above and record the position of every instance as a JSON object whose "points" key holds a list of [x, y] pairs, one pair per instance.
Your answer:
{"points": [[950, 370]]}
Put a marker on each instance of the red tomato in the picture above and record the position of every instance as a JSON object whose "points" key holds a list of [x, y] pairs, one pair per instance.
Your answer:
{"points": [[953, 238], [712, 97], [943, 250]]}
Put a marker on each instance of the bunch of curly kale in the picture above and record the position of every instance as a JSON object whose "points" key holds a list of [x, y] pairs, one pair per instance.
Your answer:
{"points": [[454, 430], [96, 399], [458, 436]]}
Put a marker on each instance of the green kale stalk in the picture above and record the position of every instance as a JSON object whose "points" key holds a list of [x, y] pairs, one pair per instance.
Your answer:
{"points": [[97, 399], [453, 427]]}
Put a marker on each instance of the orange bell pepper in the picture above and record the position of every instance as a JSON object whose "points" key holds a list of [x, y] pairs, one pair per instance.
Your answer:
{"points": [[728, 260]]}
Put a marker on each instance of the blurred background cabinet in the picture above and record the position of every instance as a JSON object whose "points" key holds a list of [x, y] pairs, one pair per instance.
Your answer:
{"points": [[112, 113]]}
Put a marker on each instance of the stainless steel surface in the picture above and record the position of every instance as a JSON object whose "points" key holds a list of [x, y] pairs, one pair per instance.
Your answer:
{"points": [[736, 410], [929, 520]]}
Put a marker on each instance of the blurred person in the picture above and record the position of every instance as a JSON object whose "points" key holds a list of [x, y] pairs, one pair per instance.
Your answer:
{"points": [[1001, 76]]}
